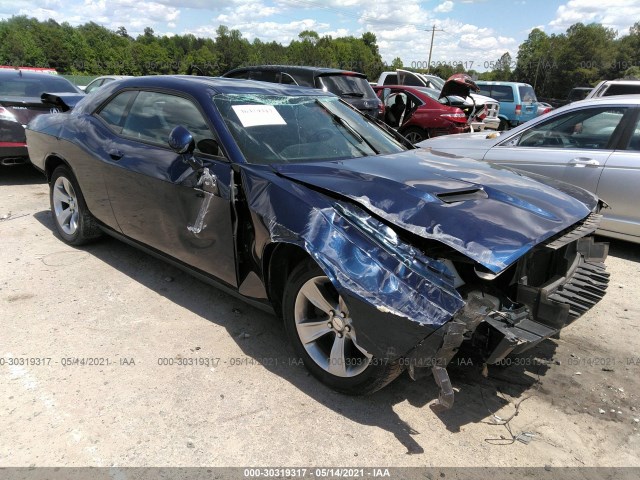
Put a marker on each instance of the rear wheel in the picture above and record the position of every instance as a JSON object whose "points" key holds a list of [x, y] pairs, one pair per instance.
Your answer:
{"points": [[320, 328], [415, 135], [71, 216], [504, 125]]}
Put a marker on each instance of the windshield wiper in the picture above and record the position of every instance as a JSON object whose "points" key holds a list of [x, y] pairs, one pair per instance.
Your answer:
{"points": [[392, 131], [352, 94], [342, 122]]}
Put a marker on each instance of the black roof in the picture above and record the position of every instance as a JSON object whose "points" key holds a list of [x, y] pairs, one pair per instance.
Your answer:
{"points": [[316, 71]]}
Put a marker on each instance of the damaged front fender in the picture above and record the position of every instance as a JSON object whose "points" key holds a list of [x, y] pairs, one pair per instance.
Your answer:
{"points": [[406, 304], [397, 296]]}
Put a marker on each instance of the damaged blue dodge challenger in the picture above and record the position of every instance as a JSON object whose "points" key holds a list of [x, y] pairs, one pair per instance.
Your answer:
{"points": [[378, 256]]}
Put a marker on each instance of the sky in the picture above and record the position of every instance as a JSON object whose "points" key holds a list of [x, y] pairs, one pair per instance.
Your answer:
{"points": [[472, 32]]}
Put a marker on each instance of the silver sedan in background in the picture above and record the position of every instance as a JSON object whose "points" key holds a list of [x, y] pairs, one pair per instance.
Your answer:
{"points": [[594, 144]]}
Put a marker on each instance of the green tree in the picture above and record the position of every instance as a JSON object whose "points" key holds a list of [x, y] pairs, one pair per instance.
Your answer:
{"points": [[233, 50]]}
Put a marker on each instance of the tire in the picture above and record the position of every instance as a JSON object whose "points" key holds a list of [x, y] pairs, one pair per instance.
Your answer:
{"points": [[504, 125], [309, 298], [415, 134], [71, 216]]}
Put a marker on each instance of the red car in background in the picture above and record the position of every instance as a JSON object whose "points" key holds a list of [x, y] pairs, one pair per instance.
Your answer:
{"points": [[418, 114]]}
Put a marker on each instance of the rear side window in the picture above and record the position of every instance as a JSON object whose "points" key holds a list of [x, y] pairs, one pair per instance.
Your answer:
{"points": [[527, 94], [113, 112], [411, 80], [634, 143], [244, 74], [263, 76], [390, 80], [346, 86], [502, 93], [617, 89], [287, 79]]}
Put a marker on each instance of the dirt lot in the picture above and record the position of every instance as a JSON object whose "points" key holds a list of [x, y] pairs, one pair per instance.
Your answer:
{"points": [[577, 396]]}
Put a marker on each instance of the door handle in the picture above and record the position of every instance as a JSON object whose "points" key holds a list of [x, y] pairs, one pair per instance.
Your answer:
{"points": [[582, 162], [115, 154]]}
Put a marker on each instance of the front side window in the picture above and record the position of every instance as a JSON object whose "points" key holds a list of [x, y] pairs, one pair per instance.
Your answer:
{"points": [[272, 129], [153, 115], [589, 128]]}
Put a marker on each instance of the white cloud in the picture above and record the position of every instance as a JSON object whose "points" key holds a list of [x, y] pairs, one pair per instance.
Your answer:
{"points": [[245, 12], [400, 34], [444, 7], [617, 14], [539, 27], [268, 31], [135, 15], [386, 12], [402, 29], [300, 4], [41, 14]]}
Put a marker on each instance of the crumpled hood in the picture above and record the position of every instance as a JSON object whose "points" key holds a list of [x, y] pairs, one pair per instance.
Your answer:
{"points": [[489, 213]]}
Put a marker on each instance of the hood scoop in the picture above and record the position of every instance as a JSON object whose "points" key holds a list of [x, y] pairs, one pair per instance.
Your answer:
{"points": [[462, 195]]}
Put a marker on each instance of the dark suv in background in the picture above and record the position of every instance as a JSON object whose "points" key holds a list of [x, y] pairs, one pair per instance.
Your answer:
{"points": [[353, 87]]}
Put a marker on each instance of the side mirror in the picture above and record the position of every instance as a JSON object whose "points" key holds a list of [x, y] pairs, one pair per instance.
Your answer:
{"points": [[181, 141]]}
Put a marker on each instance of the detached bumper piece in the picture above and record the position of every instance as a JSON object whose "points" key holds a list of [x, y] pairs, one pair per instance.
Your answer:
{"points": [[552, 285]]}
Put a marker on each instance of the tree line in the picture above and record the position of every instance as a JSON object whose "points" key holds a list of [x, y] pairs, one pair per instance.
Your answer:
{"points": [[581, 57], [553, 64], [92, 49]]}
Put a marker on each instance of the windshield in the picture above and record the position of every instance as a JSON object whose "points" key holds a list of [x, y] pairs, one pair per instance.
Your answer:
{"points": [[435, 95], [346, 86], [273, 129], [437, 82]]}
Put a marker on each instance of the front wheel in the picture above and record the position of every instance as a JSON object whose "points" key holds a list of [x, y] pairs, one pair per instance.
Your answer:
{"points": [[71, 216], [320, 328]]}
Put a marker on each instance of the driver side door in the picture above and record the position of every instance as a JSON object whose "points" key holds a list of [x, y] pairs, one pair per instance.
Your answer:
{"points": [[156, 197]]}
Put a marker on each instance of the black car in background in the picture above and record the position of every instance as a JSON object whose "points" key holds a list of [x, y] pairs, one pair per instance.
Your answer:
{"points": [[20, 101], [353, 87]]}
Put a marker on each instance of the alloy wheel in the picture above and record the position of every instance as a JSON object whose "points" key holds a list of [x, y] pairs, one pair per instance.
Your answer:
{"points": [[326, 331], [65, 205]]}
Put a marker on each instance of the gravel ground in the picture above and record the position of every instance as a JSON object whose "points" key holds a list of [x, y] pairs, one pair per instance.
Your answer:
{"points": [[246, 401]]}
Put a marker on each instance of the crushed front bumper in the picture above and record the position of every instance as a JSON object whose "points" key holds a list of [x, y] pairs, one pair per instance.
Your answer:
{"points": [[578, 280]]}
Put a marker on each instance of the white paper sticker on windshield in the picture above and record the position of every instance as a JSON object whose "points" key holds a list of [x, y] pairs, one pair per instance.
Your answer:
{"points": [[254, 115]]}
